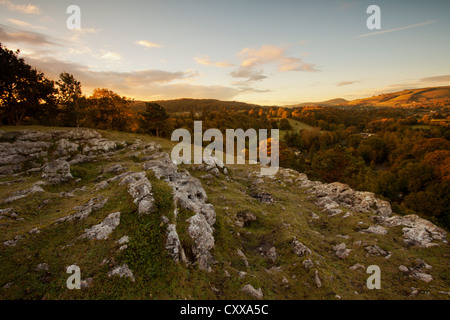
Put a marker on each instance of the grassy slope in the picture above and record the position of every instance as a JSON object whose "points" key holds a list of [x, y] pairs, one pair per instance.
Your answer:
{"points": [[157, 277], [406, 98]]}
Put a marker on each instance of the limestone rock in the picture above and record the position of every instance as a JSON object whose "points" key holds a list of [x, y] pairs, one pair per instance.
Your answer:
{"points": [[299, 248], [375, 230], [82, 212], [341, 251], [200, 231], [417, 231], [257, 294], [57, 171], [122, 271], [102, 230]]}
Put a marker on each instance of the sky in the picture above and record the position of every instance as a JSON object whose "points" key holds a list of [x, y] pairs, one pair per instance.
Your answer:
{"points": [[265, 52]]}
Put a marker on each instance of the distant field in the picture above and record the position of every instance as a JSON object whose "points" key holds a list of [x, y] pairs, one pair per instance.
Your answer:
{"points": [[296, 125]]}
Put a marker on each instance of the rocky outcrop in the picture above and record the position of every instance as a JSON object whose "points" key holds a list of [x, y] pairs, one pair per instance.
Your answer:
{"points": [[376, 229], [417, 231], [257, 294], [102, 230], [299, 248], [333, 195], [263, 197], [82, 212], [24, 193], [341, 251], [202, 234], [417, 271], [173, 244], [189, 194], [122, 271], [140, 189], [33, 147], [57, 171]]}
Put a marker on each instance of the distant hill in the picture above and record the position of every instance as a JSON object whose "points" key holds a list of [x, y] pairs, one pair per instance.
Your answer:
{"points": [[437, 96], [332, 102], [196, 105], [410, 98]]}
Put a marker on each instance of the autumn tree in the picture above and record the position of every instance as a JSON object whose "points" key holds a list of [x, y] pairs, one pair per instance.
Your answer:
{"points": [[69, 99], [108, 110]]}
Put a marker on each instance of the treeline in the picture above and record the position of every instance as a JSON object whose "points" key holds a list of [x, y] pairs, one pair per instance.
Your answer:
{"points": [[384, 153]]}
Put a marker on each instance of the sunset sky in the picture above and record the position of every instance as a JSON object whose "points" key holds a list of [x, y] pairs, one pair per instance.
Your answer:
{"points": [[257, 51]]}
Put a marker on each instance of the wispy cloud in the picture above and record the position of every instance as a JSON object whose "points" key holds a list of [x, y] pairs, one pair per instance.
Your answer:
{"points": [[444, 78], [252, 61], [272, 54], [204, 60], [148, 44], [23, 24], [22, 8], [249, 74], [369, 34], [346, 83], [13, 35], [111, 56]]}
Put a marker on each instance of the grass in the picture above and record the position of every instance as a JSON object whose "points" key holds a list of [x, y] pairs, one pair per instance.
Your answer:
{"points": [[158, 277]]}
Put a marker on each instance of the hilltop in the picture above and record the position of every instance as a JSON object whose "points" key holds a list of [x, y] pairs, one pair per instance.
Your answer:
{"points": [[410, 98], [141, 227], [413, 98], [332, 102]]}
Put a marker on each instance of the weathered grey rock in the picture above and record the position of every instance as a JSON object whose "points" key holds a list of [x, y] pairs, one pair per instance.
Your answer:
{"points": [[102, 230], [140, 189], [202, 234], [189, 194], [84, 284], [257, 294], [65, 147], [31, 135], [330, 195], [272, 254], [122, 271], [115, 168], [42, 267], [317, 279], [417, 231], [57, 171], [341, 251], [207, 210], [308, 264], [416, 274], [173, 244], [376, 229], [357, 266], [123, 240], [101, 185], [24, 193], [375, 251], [82, 212], [299, 248], [403, 269], [12, 242], [244, 258], [263, 197], [245, 218]]}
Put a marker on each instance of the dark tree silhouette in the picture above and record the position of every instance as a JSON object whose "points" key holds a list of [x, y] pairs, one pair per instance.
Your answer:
{"points": [[24, 91]]}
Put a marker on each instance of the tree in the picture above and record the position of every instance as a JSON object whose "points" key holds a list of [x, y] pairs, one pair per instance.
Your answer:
{"points": [[153, 119], [284, 124], [108, 110], [69, 94], [24, 91]]}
